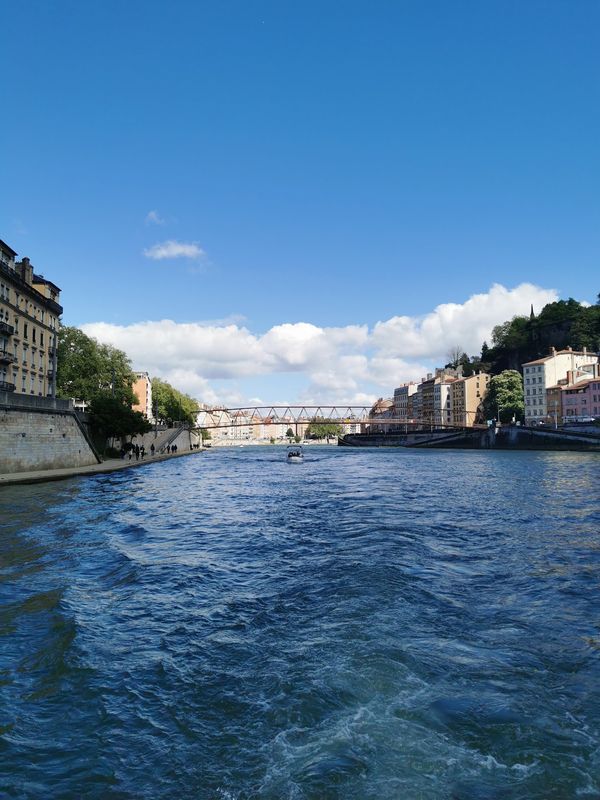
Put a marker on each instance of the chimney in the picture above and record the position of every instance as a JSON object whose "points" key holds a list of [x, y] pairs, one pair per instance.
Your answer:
{"points": [[585, 351], [25, 270], [553, 351]]}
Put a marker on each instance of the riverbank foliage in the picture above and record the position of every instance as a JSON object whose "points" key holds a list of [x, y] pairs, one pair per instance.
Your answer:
{"points": [[87, 369], [504, 398], [172, 405], [320, 428], [111, 418]]}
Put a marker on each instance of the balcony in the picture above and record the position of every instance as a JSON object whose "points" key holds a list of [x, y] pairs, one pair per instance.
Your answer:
{"points": [[7, 387], [6, 357], [50, 374], [6, 328]]}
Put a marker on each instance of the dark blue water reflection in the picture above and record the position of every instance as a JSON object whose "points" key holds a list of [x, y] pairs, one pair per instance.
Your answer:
{"points": [[369, 624]]}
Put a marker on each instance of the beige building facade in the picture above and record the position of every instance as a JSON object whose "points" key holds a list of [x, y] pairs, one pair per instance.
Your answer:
{"points": [[466, 397], [29, 324]]}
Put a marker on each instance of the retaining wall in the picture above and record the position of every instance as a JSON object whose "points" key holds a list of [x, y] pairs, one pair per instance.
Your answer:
{"points": [[505, 438], [41, 439]]}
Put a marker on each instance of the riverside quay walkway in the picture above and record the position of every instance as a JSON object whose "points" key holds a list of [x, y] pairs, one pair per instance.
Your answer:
{"points": [[110, 465]]}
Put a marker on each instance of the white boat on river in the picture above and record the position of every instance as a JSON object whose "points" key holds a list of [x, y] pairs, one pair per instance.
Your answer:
{"points": [[295, 454]]}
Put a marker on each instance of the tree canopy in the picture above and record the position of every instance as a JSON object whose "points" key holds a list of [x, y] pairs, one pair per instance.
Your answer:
{"points": [[320, 428], [87, 369], [565, 323], [172, 405], [504, 398], [112, 417]]}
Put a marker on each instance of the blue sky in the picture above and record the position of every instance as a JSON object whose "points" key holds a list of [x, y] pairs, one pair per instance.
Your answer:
{"points": [[333, 164]]}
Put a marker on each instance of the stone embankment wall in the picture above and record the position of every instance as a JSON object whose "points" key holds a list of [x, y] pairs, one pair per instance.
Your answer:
{"points": [[414, 439], [38, 439], [505, 438]]}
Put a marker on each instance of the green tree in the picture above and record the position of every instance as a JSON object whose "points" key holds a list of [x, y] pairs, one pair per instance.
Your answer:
{"points": [[87, 369], [504, 399], [585, 330], [467, 367], [111, 417], [320, 428], [511, 334], [289, 433], [565, 323], [172, 405]]}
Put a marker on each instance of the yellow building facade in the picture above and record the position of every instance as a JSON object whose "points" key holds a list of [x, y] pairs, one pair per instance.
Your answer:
{"points": [[466, 397], [29, 323]]}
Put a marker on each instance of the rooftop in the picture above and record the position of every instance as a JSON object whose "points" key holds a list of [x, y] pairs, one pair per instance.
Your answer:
{"points": [[7, 249], [549, 357]]}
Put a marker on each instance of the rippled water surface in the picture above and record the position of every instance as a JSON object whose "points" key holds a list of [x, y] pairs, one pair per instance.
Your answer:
{"points": [[368, 624]]}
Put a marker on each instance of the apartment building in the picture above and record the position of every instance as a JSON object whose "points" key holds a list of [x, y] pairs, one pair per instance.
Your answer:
{"points": [[466, 398], [435, 397], [575, 397], [415, 404], [402, 395], [581, 401], [142, 388], [543, 373], [442, 405], [427, 404], [29, 323]]}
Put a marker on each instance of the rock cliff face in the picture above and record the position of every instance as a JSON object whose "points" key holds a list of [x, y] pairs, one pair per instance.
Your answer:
{"points": [[34, 440]]}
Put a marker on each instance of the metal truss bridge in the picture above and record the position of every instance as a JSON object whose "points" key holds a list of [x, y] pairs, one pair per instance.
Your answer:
{"points": [[281, 415], [347, 415]]}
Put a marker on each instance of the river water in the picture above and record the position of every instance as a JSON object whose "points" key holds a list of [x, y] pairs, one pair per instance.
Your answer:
{"points": [[368, 624]]}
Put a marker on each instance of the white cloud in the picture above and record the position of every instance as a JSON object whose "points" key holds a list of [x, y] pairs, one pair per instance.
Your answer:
{"points": [[342, 364], [154, 218], [173, 249], [467, 324]]}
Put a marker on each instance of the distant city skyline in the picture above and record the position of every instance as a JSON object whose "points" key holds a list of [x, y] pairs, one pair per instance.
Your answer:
{"points": [[264, 203]]}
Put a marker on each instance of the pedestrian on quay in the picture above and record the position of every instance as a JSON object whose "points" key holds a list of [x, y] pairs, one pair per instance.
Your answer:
{"points": [[152, 449], [137, 452], [142, 451], [168, 449]]}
